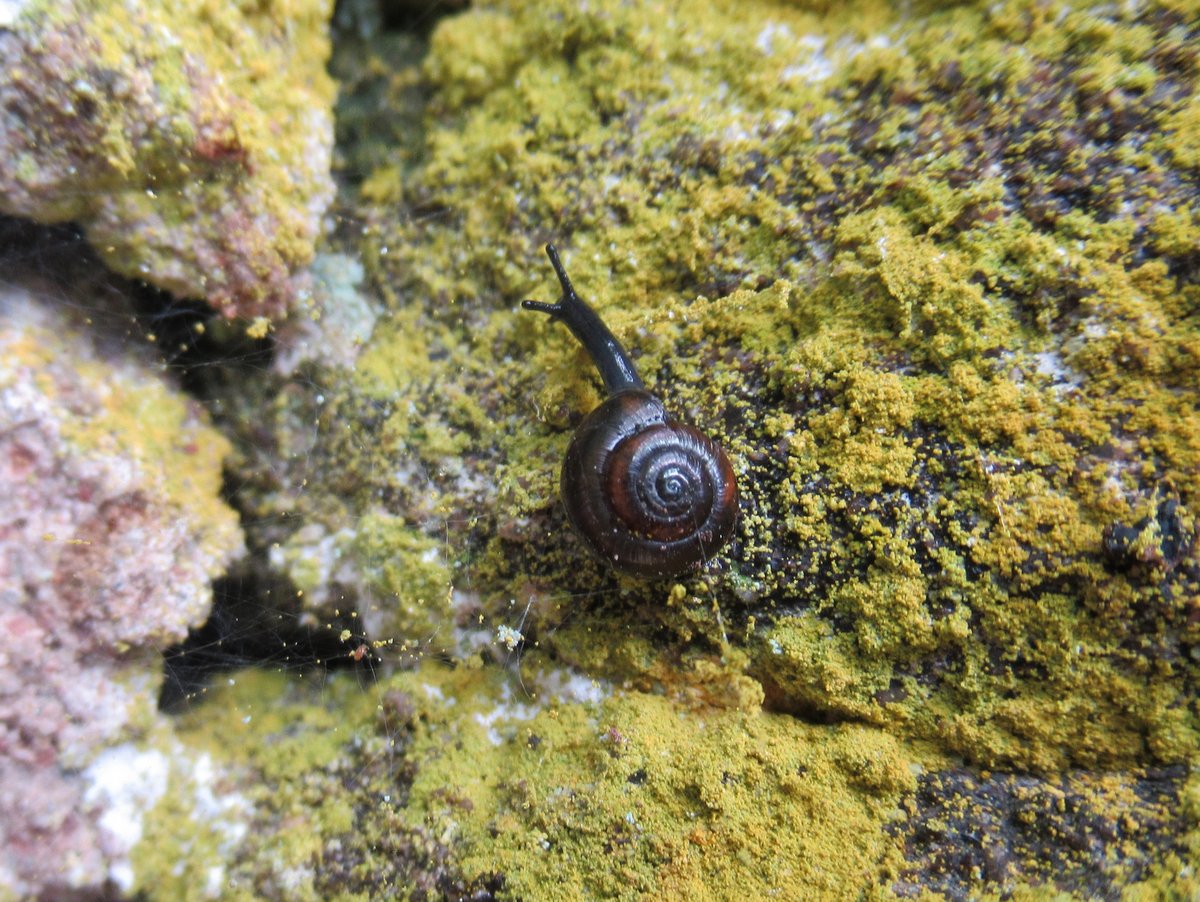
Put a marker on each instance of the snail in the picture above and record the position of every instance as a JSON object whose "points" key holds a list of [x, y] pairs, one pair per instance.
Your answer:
{"points": [[650, 496]]}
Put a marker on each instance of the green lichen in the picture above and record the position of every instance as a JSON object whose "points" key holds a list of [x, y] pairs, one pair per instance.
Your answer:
{"points": [[928, 276], [269, 744], [921, 417], [410, 575], [714, 803], [929, 427], [451, 781], [678, 801], [168, 121]]}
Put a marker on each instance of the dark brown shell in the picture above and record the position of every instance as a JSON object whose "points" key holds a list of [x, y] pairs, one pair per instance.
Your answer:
{"points": [[651, 496]]}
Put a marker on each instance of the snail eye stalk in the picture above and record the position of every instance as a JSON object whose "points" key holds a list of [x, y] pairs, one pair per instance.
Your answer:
{"points": [[615, 366]]}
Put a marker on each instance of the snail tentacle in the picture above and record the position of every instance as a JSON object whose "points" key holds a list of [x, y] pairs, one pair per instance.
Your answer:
{"points": [[615, 365]]}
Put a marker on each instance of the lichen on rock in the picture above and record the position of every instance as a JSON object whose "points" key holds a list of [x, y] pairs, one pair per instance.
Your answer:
{"points": [[111, 530], [448, 782], [944, 365], [190, 141], [929, 274]]}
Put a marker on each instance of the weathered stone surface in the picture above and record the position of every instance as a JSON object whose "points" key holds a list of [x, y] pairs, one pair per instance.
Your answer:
{"points": [[190, 141], [111, 530]]}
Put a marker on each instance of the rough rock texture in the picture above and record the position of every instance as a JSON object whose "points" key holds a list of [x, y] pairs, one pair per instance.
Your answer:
{"points": [[1095, 833], [455, 783], [191, 141], [930, 273], [111, 530]]}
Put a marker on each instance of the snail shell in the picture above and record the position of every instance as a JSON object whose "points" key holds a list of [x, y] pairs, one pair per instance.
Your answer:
{"points": [[649, 495]]}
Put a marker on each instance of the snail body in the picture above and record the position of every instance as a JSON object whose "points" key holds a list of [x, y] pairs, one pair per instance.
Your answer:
{"points": [[651, 496]]}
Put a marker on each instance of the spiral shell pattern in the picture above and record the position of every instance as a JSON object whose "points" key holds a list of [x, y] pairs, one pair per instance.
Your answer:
{"points": [[651, 496]]}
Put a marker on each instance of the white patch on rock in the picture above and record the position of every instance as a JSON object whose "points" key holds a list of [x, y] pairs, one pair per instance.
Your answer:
{"points": [[125, 782], [10, 11], [765, 42]]}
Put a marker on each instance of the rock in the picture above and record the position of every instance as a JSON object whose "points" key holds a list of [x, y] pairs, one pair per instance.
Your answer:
{"points": [[193, 151], [111, 530], [930, 274]]}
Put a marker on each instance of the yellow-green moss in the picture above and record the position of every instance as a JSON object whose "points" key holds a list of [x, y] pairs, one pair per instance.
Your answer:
{"points": [[631, 796], [928, 392], [919, 271]]}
